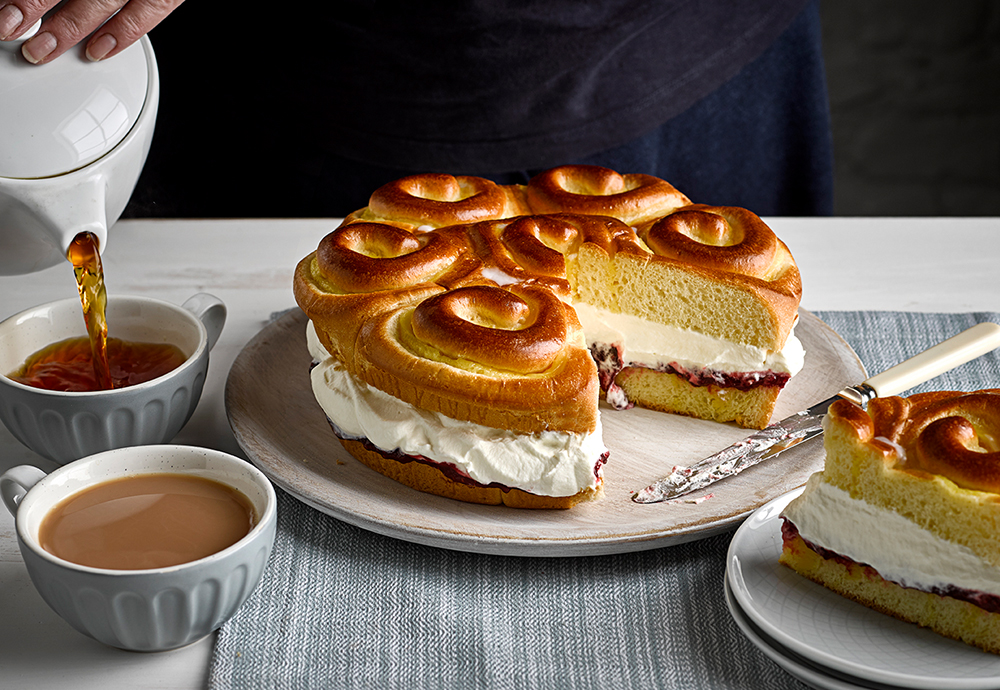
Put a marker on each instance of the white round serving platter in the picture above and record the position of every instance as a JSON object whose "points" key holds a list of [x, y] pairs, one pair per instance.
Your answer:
{"points": [[836, 633], [285, 433]]}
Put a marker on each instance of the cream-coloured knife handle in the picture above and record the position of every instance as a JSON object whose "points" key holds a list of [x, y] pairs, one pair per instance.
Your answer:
{"points": [[955, 351]]}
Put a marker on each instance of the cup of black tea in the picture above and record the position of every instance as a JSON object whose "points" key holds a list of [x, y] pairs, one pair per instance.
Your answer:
{"points": [[157, 356], [146, 548]]}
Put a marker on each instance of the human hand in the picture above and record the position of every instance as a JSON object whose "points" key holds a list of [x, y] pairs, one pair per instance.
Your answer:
{"points": [[114, 25]]}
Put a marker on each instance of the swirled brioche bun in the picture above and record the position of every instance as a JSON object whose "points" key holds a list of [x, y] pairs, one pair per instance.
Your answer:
{"points": [[435, 200], [905, 517], [509, 359], [595, 191], [513, 308]]}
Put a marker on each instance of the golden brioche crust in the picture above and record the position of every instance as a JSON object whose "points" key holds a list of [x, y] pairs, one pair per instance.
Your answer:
{"points": [[442, 292], [873, 456], [595, 191], [946, 433], [426, 478], [754, 276], [877, 456], [491, 385], [731, 278], [721, 256], [544, 249], [372, 257], [435, 200], [338, 316], [523, 329]]}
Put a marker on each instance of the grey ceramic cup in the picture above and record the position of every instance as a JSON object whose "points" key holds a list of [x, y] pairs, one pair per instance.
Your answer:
{"points": [[143, 610], [64, 426]]}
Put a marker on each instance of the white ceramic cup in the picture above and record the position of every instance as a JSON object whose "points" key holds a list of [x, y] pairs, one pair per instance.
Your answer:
{"points": [[143, 610], [65, 426]]}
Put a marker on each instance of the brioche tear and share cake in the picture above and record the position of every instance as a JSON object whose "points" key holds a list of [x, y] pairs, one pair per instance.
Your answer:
{"points": [[905, 516], [465, 331]]}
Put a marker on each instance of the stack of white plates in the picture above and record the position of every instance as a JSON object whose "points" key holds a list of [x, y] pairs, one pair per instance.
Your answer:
{"points": [[830, 642]]}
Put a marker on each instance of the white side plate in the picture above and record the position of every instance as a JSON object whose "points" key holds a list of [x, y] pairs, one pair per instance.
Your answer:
{"points": [[796, 666], [837, 633]]}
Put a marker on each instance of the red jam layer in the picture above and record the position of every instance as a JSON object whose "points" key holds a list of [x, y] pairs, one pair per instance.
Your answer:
{"points": [[984, 600], [610, 363], [740, 380]]}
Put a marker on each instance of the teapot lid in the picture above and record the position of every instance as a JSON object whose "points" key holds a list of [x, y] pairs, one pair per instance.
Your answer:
{"points": [[63, 115]]}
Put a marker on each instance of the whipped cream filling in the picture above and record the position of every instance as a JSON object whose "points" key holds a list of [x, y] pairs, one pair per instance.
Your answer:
{"points": [[498, 276], [900, 550], [550, 463], [650, 344]]}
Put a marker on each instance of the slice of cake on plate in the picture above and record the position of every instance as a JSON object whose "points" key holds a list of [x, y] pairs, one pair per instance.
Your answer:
{"points": [[905, 516]]}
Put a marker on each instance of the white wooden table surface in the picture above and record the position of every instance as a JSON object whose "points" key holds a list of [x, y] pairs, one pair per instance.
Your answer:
{"points": [[909, 264]]}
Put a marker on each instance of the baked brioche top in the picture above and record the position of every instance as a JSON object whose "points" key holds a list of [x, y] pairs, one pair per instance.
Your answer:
{"points": [[949, 434], [456, 292]]}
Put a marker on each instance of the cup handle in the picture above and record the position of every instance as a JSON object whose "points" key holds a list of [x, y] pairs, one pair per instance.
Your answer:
{"points": [[16, 482], [211, 311]]}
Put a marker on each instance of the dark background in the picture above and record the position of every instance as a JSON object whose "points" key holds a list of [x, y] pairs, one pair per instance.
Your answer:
{"points": [[915, 101], [914, 94]]}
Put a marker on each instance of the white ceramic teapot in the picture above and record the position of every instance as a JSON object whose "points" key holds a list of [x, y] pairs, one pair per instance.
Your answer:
{"points": [[74, 135]]}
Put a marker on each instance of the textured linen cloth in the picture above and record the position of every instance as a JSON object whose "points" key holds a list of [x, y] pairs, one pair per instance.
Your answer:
{"points": [[340, 607]]}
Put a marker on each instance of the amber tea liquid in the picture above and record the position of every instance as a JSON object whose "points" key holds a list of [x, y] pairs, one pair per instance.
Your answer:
{"points": [[69, 364], [95, 362]]}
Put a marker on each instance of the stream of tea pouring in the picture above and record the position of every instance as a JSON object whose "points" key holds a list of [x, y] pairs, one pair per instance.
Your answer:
{"points": [[84, 253]]}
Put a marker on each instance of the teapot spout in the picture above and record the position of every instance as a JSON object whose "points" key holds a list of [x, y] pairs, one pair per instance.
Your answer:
{"points": [[40, 218], [76, 210], [95, 229]]}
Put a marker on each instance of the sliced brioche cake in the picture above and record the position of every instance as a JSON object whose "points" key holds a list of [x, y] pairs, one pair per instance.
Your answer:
{"points": [[905, 516]]}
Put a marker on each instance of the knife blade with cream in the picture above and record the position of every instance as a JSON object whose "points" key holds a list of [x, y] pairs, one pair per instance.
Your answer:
{"points": [[808, 424]]}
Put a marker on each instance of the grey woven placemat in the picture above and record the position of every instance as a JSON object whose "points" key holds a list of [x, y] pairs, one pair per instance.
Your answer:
{"points": [[340, 607]]}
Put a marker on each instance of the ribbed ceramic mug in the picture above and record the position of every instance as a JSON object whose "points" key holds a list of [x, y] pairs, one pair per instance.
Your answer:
{"points": [[64, 426], [143, 610]]}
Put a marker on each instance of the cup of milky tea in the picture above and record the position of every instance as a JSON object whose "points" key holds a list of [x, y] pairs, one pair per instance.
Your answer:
{"points": [[146, 548], [63, 425]]}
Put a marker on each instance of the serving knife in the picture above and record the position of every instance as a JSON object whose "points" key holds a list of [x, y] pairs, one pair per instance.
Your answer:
{"points": [[807, 424]]}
